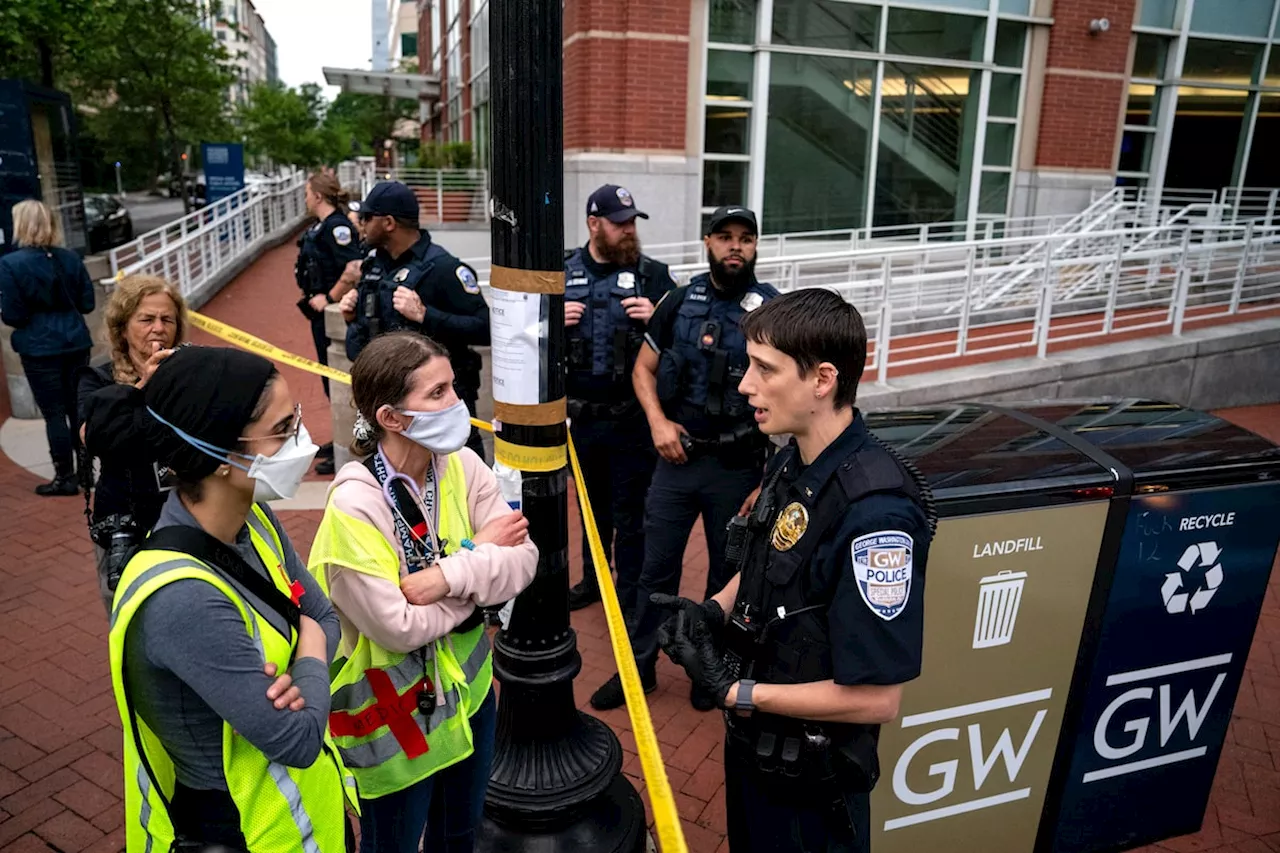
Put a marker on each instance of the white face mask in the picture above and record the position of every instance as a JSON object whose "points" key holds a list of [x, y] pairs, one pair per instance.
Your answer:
{"points": [[278, 476], [442, 432]]}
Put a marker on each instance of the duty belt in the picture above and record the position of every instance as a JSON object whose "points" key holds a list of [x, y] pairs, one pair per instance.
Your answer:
{"points": [[804, 750], [601, 411]]}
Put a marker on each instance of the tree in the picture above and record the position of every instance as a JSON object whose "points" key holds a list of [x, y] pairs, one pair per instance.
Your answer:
{"points": [[42, 40], [287, 125], [363, 121]]}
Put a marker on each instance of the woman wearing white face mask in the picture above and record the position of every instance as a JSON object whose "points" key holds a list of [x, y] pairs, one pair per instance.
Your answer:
{"points": [[220, 639], [415, 541]]}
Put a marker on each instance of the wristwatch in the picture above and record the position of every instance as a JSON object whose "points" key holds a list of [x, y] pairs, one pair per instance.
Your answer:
{"points": [[742, 702]]}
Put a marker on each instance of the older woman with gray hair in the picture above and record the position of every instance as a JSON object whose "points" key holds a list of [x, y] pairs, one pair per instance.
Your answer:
{"points": [[44, 291]]}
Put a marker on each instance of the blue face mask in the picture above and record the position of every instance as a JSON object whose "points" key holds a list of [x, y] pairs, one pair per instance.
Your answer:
{"points": [[275, 477]]}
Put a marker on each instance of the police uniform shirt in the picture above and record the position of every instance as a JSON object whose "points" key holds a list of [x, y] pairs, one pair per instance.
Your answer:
{"points": [[456, 313], [334, 244], [870, 568]]}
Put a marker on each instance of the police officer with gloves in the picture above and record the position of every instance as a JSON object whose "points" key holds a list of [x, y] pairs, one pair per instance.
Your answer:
{"points": [[610, 291], [408, 281], [686, 380], [808, 646]]}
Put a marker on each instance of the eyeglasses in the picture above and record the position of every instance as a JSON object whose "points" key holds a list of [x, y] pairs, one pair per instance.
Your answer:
{"points": [[295, 428]]}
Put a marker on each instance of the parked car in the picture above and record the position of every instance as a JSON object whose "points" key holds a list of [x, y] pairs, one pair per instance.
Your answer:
{"points": [[107, 222]]}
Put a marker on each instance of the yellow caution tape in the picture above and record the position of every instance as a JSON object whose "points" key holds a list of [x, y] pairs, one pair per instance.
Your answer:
{"points": [[244, 340], [666, 818]]}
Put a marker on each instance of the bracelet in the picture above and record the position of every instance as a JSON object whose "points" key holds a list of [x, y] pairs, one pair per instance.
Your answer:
{"points": [[468, 544], [329, 298]]}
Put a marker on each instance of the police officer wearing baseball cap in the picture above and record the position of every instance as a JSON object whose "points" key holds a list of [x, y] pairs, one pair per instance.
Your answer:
{"points": [[610, 293], [712, 454], [410, 282]]}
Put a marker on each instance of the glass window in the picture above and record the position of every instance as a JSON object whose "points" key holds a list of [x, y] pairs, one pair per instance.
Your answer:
{"points": [[728, 130], [724, 182], [1143, 104], [993, 193], [1236, 18], [999, 145], [1004, 95], [1272, 77], [733, 21], [826, 23], [1264, 166], [1135, 151], [927, 126], [818, 142], [976, 5], [915, 32], [1158, 13], [1010, 37], [1221, 61], [1149, 54], [729, 74], [408, 44], [1015, 7], [1206, 135]]}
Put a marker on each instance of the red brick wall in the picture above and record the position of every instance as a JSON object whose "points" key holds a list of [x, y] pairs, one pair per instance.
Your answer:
{"points": [[623, 92], [1080, 114], [426, 30]]}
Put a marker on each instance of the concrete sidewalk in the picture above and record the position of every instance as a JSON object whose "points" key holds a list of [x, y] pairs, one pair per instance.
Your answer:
{"points": [[60, 741]]}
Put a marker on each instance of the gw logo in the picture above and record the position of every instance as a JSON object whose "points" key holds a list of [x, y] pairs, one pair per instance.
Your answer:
{"points": [[1134, 708], [983, 755]]}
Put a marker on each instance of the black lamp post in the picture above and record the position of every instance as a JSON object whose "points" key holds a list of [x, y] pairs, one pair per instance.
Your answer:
{"points": [[556, 781]]}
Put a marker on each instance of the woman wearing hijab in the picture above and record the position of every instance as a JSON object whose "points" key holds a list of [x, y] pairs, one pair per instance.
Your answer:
{"points": [[415, 541], [220, 640], [44, 292]]}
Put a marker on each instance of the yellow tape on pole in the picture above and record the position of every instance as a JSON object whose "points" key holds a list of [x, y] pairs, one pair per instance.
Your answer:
{"points": [[666, 818]]}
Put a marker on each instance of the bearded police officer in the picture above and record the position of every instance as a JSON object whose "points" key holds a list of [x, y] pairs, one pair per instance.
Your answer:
{"points": [[610, 291], [825, 619], [711, 453], [408, 281]]}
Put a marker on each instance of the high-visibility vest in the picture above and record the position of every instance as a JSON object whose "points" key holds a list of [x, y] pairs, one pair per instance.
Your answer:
{"points": [[282, 809], [375, 721]]}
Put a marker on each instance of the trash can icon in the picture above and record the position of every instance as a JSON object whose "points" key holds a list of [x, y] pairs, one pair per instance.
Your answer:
{"points": [[998, 598]]}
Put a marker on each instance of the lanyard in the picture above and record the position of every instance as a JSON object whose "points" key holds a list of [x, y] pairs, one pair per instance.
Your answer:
{"points": [[413, 511]]}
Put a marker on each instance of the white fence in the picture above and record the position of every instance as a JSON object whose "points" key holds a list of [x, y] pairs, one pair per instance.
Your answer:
{"points": [[446, 195], [191, 251]]}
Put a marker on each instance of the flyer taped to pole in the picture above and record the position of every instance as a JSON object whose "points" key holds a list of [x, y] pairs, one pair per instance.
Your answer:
{"points": [[665, 816]]}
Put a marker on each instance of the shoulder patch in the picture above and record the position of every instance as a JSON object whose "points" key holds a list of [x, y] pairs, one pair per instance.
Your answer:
{"points": [[342, 235], [882, 568], [468, 279]]}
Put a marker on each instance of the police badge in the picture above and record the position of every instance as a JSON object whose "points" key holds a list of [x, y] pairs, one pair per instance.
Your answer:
{"points": [[751, 302], [627, 280], [400, 275], [625, 197], [792, 522]]}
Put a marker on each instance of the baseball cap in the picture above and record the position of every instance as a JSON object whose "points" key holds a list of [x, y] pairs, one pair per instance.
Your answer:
{"points": [[390, 198], [732, 213], [614, 203]]}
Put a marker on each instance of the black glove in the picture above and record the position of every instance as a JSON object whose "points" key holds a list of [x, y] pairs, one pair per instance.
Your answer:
{"points": [[699, 655], [708, 612]]}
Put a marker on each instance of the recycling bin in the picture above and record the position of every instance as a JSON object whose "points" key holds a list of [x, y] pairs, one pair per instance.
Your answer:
{"points": [[1156, 688], [1090, 600], [1011, 571]]}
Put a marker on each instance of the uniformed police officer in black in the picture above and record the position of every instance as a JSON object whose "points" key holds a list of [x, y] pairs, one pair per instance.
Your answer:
{"points": [[686, 380], [610, 291], [826, 617], [408, 281], [328, 266]]}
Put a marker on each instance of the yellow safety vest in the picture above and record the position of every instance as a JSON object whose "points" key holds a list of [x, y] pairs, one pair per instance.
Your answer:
{"points": [[282, 809], [384, 739]]}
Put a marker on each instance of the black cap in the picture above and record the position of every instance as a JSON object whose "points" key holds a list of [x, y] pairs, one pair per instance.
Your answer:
{"points": [[391, 198], [614, 203], [732, 213]]}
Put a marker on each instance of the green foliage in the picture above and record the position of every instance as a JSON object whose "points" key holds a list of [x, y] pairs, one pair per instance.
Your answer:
{"points": [[447, 155], [287, 125], [361, 122]]}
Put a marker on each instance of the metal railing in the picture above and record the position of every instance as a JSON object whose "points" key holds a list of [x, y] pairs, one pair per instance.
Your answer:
{"points": [[194, 249], [447, 195]]}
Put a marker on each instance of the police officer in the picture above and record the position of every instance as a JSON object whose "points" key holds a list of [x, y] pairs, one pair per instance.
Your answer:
{"points": [[610, 291], [686, 380], [328, 266], [407, 281], [826, 617]]}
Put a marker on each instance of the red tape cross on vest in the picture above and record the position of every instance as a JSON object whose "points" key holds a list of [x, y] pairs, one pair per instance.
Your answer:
{"points": [[391, 709], [296, 591]]}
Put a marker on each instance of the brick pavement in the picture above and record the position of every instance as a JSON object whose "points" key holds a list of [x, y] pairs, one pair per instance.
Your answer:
{"points": [[60, 776]]}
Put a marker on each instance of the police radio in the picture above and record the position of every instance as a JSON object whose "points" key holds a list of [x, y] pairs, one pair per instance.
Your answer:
{"points": [[371, 313]]}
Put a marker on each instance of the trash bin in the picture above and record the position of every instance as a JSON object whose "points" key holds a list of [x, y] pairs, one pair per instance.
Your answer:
{"points": [[1022, 514], [1157, 683], [1090, 601]]}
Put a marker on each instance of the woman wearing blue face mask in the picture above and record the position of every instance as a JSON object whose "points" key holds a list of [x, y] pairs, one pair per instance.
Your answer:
{"points": [[220, 640], [415, 540]]}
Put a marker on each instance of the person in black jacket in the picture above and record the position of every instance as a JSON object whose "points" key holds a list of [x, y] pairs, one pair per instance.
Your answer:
{"points": [[44, 290], [146, 319]]}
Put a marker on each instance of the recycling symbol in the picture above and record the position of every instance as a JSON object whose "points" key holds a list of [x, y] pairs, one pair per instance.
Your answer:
{"points": [[1176, 599]]}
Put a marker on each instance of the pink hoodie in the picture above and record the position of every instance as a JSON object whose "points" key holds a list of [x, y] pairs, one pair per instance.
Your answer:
{"points": [[491, 574]]}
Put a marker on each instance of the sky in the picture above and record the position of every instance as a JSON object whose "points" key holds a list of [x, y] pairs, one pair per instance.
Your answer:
{"points": [[312, 34]]}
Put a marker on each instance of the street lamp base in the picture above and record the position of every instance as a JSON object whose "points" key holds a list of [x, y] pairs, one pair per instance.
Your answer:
{"points": [[613, 822]]}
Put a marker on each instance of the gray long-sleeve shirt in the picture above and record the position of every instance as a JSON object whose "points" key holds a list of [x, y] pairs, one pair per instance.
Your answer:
{"points": [[191, 665]]}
